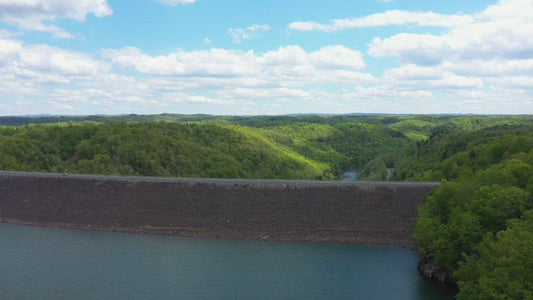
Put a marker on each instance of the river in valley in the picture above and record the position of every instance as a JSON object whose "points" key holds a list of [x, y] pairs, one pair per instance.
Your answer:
{"points": [[48, 263]]}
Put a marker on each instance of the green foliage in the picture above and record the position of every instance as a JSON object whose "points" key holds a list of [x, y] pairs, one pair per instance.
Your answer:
{"points": [[496, 204], [503, 269], [342, 146], [453, 153], [151, 148], [375, 170], [479, 228]]}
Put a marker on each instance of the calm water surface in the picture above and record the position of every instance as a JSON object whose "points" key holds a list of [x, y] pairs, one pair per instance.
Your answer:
{"points": [[44, 263]]}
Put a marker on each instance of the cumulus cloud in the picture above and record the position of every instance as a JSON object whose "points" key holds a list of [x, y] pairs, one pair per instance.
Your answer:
{"points": [[37, 14], [67, 81], [287, 65], [509, 40], [213, 62], [8, 50], [339, 57], [33, 71], [409, 47], [478, 63], [384, 92], [498, 37], [185, 98], [414, 76], [495, 67], [502, 30], [60, 61], [272, 93], [250, 32], [43, 64]]}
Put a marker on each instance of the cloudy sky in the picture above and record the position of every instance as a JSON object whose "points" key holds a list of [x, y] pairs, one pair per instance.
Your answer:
{"points": [[244, 57]]}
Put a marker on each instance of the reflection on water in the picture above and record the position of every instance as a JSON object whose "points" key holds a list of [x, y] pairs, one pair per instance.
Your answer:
{"points": [[72, 264]]}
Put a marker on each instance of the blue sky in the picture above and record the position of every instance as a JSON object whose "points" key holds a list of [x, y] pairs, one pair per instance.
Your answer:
{"points": [[265, 57]]}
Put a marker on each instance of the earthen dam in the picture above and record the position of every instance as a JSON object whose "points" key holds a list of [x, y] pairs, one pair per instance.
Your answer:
{"points": [[381, 213]]}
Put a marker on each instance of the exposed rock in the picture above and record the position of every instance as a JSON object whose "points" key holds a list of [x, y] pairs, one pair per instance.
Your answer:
{"points": [[433, 270], [381, 213]]}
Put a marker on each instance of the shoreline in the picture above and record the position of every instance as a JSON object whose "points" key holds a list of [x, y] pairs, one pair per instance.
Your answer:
{"points": [[203, 233]]}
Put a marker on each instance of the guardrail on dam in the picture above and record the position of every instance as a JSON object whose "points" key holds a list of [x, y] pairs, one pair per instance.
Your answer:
{"points": [[356, 212]]}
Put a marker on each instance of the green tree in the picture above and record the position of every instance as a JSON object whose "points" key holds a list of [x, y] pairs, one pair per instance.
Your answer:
{"points": [[504, 267]]}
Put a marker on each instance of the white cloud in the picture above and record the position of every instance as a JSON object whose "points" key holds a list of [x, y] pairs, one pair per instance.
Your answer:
{"points": [[338, 57], [185, 98], [286, 56], [250, 32], [488, 41], [79, 96], [289, 65], [213, 62], [33, 72], [513, 81], [272, 93], [501, 100], [382, 92], [36, 14], [417, 77], [45, 58], [479, 63], [391, 17], [508, 10], [176, 2], [8, 50], [496, 41], [409, 47], [490, 68], [495, 34]]}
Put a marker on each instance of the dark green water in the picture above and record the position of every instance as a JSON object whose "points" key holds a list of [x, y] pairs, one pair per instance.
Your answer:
{"points": [[44, 263]]}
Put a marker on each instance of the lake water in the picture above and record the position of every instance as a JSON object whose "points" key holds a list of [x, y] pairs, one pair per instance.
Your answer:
{"points": [[45, 263], [350, 176]]}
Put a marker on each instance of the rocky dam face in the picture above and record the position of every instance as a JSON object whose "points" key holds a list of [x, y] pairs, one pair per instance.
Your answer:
{"points": [[381, 213]]}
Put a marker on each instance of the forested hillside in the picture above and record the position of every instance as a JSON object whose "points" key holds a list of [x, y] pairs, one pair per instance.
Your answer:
{"points": [[477, 228], [300, 146], [214, 147], [343, 146], [151, 148]]}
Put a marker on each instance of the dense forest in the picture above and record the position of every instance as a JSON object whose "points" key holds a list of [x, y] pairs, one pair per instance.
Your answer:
{"points": [[151, 149], [475, 230], [298, 146], [209, 147]]}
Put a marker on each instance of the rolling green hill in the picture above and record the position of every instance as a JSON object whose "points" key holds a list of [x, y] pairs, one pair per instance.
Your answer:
{"points": [[276, 147], [152, 149]]}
